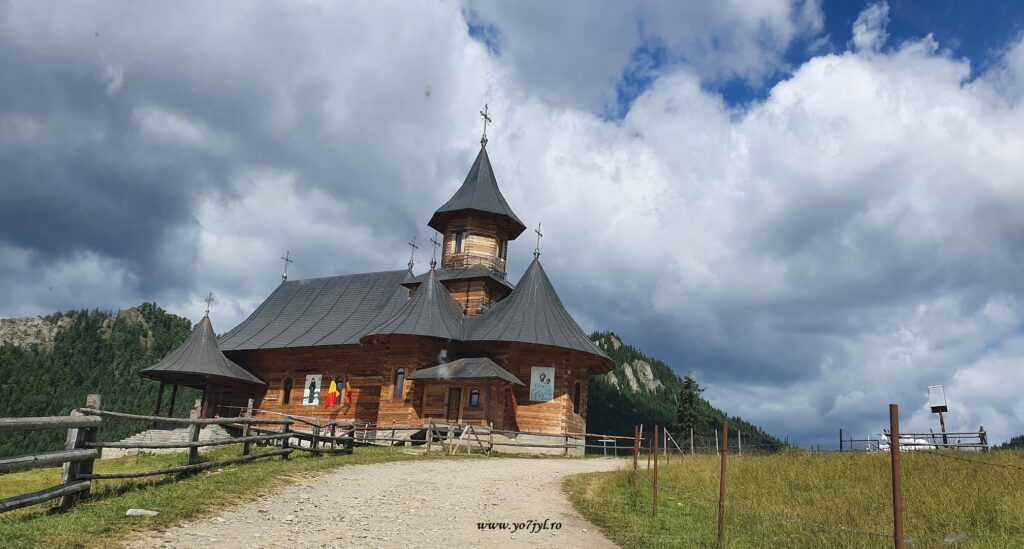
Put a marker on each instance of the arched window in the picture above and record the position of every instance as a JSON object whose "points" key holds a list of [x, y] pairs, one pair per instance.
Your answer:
{"points": [[576, 398], [399, 384], [474, 398], [286, 393]]}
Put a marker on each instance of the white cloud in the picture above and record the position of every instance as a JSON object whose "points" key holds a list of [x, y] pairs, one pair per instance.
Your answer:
{"points": [[869, 32], [842, 244]]}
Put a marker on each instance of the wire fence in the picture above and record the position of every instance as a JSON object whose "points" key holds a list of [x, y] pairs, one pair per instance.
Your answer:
{"points": [[723, 507]]}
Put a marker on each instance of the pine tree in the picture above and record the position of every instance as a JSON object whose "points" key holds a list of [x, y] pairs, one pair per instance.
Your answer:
{"points": [[689, 413]]}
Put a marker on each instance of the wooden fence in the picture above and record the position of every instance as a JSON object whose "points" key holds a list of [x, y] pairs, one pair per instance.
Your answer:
{"points": [[82, 448]]}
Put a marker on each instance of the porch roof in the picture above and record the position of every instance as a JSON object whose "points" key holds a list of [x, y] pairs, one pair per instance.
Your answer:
{"points": [[466, 368]]}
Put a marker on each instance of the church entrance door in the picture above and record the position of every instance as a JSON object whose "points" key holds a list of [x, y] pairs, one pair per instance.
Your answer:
{"points": [[451, 412]]}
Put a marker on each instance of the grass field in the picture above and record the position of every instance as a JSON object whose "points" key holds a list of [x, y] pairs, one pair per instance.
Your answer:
{"points": [[802, 499], [101, 521]]}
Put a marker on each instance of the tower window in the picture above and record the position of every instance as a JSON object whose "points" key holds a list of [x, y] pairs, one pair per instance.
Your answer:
{"points": [[399, 384], [474, 398], [286, 395], [460, 242], [576, 398], [502, 248]]}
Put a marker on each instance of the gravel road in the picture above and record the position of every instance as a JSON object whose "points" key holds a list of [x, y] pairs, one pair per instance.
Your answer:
{"points": [[407, 504]]}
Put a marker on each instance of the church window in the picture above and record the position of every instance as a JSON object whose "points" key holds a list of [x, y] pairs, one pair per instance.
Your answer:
{"points": [[286, 393], [399, 384], [576, 398], [474, 398], [460, 241], [502, 249]]}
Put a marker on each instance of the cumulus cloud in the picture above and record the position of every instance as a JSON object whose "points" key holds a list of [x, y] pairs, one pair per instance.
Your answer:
{"points": [[842, 244], [869, 32]]}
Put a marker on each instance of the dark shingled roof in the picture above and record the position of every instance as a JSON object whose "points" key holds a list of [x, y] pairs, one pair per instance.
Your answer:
{"points": [[199, 356], [466, 368], [473, 271], [479, 192], [334, 310], [431, 312], [531, 314]]}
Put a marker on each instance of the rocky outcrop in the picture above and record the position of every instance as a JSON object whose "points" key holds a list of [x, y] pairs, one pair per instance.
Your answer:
{"points": [[645, 376], [612, 380], [32, 330], [37, 330], [630, 378]]}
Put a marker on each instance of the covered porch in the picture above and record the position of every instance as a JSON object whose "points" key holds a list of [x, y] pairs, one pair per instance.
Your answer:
{"points": [[473, 391]]}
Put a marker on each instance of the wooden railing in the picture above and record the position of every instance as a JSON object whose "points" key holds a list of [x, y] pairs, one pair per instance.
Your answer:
{"points": [[75, 459]]}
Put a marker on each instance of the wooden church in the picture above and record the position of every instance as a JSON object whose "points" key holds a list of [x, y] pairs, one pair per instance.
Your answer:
{"points": [[457, 344]]}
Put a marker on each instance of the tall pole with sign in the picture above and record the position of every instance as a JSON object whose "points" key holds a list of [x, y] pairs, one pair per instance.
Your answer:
{"points": [[937, 401]]}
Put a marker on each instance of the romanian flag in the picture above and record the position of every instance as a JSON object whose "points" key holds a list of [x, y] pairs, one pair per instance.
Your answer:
{"points": [[348, 392], [332, 395]]}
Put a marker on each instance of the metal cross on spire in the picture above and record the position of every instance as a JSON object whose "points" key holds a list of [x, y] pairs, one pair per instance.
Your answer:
{"points": [[536, 251], [209, 299], [287, 257], [433, 257], [412, 253], [487, 120]]}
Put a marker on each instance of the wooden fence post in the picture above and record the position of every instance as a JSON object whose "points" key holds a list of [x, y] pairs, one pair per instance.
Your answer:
{"points": [[897, 488], [246, 428], [334, 430], [286, 442], [490, 438], [71, 469], [193, 436], [654, 498], [430, 434], [721, 481], [636, 453], [316, 437]]}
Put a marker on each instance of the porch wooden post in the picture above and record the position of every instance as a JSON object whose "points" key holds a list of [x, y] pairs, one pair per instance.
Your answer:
{"points": [[159, 399], [207, 394], [174, 395]]}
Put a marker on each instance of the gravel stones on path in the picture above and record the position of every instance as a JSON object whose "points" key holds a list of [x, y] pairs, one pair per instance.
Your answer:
{"points": [[437, 503]]}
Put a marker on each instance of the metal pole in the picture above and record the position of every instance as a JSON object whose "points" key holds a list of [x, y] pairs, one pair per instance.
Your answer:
{"points": [[739, 440], [654, 499], [721, 482], [840, 441], [691, 441], [716, 442], [897, 488]]}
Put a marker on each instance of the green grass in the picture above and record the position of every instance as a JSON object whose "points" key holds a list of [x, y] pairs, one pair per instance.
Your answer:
{"points": [[101, 521], [767, 496]]}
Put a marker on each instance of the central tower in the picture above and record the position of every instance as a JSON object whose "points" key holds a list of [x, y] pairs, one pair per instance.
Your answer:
{"points": [[477, 224]]}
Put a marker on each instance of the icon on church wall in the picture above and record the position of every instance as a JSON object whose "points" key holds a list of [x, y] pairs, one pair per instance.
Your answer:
{"points": [[311, 390], [542, 383]]}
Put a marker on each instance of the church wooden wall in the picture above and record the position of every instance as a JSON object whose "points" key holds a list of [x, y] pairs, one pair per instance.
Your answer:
{"points": [[480, 248], [476, 296], [370, 368]]}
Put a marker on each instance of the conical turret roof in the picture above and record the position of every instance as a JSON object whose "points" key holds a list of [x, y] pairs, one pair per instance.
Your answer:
{"points": [[533, 313], [199, 357], [479, 192], [430, 312]]}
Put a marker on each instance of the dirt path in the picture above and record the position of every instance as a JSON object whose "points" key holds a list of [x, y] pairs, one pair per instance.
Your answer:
{"points": [[406, 504]]}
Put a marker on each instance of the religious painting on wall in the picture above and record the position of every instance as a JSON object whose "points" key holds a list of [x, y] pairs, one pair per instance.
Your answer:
{"points": [[311, 390], [542, 383]]}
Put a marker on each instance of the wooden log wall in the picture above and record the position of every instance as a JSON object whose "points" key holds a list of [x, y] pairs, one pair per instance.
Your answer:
{"points": [[476, 296], [480, 246]]}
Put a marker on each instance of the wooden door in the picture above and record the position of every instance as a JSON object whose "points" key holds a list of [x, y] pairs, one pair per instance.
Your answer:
{"points": [[451, 413]]}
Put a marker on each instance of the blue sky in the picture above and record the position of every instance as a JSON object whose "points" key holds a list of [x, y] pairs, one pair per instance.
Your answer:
{"points": [[814, 221]]}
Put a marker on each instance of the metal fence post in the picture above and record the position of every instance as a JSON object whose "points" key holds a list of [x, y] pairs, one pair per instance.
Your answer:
{"points": [[691, 441], [897, 488], [721, 481]]}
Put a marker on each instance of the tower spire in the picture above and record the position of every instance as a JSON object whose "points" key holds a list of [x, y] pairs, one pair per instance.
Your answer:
{"points": [[487, 120], [536, 251], [287, 259], [412, 253]]}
